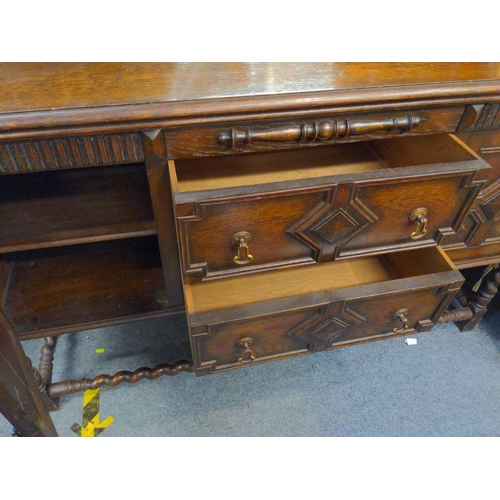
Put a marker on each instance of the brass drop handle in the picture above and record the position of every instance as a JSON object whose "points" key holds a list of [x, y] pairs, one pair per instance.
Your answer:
{"points": [[400, 315], [419, 216], [247, 355], [241, 239]]}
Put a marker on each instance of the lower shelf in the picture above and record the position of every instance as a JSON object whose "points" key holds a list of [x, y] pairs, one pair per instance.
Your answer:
{"points": [[56, 290]]}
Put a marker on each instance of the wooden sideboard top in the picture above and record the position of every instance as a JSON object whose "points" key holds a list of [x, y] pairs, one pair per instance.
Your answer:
{"points": [[88, 96]]}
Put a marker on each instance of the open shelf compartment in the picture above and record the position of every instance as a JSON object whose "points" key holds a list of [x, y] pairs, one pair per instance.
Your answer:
{"points": [[56, 290], [49, 209]]}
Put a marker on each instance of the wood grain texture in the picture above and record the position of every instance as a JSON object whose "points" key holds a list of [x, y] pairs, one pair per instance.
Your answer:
{"points": [[340, 304], [480, 117], [204, 140], [161, 196], [20, 399], [47, 209], [74, 85], [232, 171], [481, 233], [295, 218], [57, 98], [467, 257], [54, 289]]}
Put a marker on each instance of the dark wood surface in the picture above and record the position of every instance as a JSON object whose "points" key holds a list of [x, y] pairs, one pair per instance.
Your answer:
{"points": [[39, 86], [20, 399], [483, 221], [69, 152], [316, 206], [289, 312], [59, 208], [302, 129], [53, 289], [66, 116], [155, 154], [57, 99]]}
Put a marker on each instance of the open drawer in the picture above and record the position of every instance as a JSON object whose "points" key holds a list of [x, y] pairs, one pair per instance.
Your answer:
{"points": [[248, 213], [246, 320]]}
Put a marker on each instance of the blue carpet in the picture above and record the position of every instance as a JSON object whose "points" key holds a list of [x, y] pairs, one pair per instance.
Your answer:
{"points": [[446, 385]]}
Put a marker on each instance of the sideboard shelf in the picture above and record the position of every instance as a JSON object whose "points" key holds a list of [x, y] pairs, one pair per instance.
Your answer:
{"points": [[51, 291], [49, 209]]}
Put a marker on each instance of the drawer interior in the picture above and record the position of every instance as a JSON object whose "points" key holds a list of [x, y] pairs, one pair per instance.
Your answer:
{"points": [[282, 284], [204, 174]]}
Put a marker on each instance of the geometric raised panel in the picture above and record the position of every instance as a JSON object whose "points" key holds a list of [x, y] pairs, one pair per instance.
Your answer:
{"points": [[492, 206], [334, 222], [335, 227], [322, 328]]}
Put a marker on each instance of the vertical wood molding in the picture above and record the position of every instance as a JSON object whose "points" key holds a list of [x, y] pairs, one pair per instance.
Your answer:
{"points": [[155, 155], [480, 117]]}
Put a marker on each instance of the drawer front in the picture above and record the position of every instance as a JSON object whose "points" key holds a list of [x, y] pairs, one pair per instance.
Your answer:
{"points": [[270, 230], [227, 345], [479, 242], [246, 320], [308, 130]]}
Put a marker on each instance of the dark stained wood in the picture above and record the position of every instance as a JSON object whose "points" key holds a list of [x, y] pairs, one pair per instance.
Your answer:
{"points": [[5, 270], [40, 86], [185, 142], [49, 209], [52, 99], [303, 163], [324, 130], [479, 302], [461, 314], [161, 197], [299, 219], [20, 400], [487, 145], [480, 117], [69, 152], [359, 308], [481, 233], [61, 287], [466, 257], [65, 387]]}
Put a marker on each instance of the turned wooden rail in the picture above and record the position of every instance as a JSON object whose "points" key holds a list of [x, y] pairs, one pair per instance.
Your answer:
{"points": [[63, 388], [323, 130], [475, 307]]}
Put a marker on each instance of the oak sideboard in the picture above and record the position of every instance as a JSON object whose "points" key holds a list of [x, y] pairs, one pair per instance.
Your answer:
{"points": [[285, 208]]}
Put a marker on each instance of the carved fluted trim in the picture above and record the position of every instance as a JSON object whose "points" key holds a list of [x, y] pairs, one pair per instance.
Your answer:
{"points": [[72, 386], [70, 152], [323, 130]]}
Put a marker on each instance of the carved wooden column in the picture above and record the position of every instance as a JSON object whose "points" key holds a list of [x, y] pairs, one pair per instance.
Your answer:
{"points": [[155, 156], [44, 373], [479, 302], [475, 307]]}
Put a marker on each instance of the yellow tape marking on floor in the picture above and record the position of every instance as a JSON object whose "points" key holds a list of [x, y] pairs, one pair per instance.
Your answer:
{"points": [[92, 426]]}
